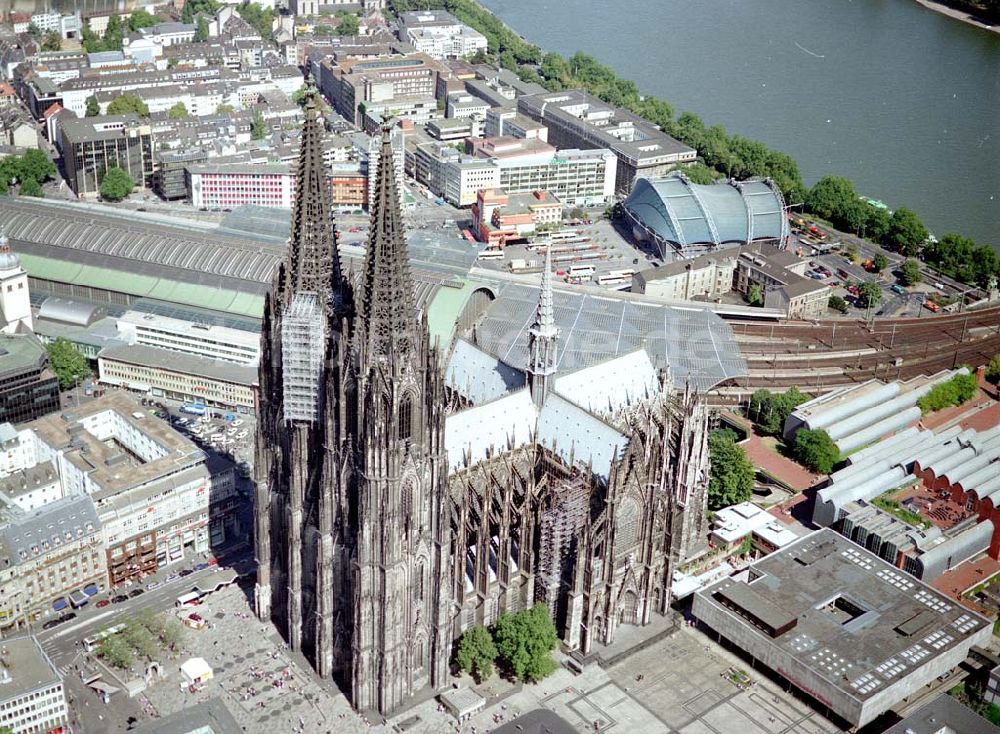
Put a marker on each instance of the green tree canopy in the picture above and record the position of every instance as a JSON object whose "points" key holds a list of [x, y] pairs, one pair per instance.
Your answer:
{"points": [[770, 410], [259, 18], [193, 7], [178, 112], [117, 184], [476, 653], [961, 258], [201, 32], [731, 475], [831, 196], [140, 18], [525, 640], [116, 652], [93, 107], [36, 165], [906, 231], [880, 262], [816, 450], [224, 109], [30, 187], [955, 391], [869, 294], [755, 296], [258, 128], [909, 272], [126, 103], [349, 25], [876, 223], [52, 41], [67, 362], [837, 303], [993, 369]]}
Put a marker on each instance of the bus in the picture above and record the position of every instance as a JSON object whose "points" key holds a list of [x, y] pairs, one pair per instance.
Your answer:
{"points": [[91, 643], [191, 599], [491, 255], [580, 271], [616, 277], [193, 408]]}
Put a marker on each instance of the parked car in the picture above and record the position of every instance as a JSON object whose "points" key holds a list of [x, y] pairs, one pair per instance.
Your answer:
{"points": [[119, 599], [136, 592], [185, 572], [201, 567], [102, 603]]}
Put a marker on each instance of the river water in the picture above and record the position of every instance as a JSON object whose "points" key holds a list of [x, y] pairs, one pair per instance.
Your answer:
{"points": [[901, 100]]}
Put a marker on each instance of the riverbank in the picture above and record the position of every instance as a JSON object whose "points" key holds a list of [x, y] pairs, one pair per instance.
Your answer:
{"points": [[957, 14]]}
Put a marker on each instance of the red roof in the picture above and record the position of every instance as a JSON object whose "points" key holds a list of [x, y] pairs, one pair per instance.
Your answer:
{"points": [[53, 108]]}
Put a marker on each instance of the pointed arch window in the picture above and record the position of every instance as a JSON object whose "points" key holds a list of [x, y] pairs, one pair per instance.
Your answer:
{"points": [[405, 417]]}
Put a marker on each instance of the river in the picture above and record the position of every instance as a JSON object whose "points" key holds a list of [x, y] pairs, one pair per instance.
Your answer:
{"points": [[901, 100]]}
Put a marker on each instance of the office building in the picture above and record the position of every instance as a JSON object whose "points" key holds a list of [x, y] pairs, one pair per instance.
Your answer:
{"points": [[28, 388], [218, 186], [32, 698], [779, 276], [438, 34], [704, 278], [853, 633], [158, 496], [92, 145], [579, 120], [498, 217]]}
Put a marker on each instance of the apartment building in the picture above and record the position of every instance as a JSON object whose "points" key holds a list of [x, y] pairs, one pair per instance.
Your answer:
{"points": [[92, 145], [707, 277], [579, 120], [51, 557], [779, 275], [32, 698]]}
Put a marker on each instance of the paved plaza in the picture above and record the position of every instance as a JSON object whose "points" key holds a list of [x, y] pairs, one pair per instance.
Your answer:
{"points": [[676, 685]]}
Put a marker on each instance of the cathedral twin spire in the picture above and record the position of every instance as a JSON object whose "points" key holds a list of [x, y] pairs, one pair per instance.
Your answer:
{"points": [[313, 262]]}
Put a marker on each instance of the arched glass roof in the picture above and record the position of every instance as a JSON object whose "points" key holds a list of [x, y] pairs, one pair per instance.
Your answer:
{"points": [[729, 212]]}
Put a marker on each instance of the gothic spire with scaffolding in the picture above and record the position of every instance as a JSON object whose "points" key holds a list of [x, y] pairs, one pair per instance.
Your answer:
{"points": [[313, 262]]}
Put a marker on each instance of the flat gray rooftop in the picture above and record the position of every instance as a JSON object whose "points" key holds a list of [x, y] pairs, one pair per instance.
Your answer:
{"points": [[29, 667], [943, 715], [857, 621]]}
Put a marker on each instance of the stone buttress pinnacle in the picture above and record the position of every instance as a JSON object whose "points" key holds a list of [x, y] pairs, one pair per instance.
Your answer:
{"points": [[545, 322]]}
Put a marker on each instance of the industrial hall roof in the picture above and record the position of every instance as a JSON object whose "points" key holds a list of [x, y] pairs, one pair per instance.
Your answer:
{"points": [[727, 212]]}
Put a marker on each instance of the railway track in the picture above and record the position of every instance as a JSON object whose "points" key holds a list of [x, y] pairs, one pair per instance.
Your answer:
{"points": [[823, 355]]}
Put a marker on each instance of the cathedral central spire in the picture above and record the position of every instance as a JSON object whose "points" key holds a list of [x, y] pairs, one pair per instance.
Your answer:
{"points": [[390, 323], [313, 261], [542, 338]]}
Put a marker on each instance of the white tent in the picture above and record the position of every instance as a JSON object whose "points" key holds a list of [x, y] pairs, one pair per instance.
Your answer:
{"points": [[196, 671]]}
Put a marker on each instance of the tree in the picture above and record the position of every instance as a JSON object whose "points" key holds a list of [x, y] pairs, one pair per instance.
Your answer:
{"points": [[117, 184], [30, 187], [869, 294], [876, 224], [224, 109], [126, 103], [349, 25], [770, 410], [93, 106], [524, 642], [260, 19], [993, 369], [201, 30], [731, 474], [755, 295], [880, 262], [831, 196], [36, 165], [140, 639], [172, 633], [178, 112], [193, 7], [115, 651], [909, 273], [52, 41], [300, 94], [34, 31], [837, 303], [906, 231], [114, 34], [140, 18], [955, 391], [476, 653], [816, 450], [258, 128], [67, 362]]}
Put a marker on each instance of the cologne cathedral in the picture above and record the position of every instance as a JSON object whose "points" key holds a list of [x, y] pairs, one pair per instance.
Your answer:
{"points": [[403, 494]]}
